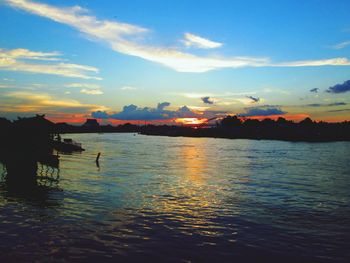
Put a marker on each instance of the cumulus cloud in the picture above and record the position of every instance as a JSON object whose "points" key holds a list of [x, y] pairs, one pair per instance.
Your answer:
{"points": [[191, 40], [133, 112], [207, 100], [253, 99], [25, 60], [124, 38], [340, 88], [315, 90], [262, 111], [326, 104]]}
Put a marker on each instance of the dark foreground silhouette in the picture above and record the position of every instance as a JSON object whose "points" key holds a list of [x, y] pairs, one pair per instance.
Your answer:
{"points": [[29, 149]]}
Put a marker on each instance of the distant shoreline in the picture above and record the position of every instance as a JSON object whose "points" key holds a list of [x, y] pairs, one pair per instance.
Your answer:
{"points": [[230, 127], [145, 133]]}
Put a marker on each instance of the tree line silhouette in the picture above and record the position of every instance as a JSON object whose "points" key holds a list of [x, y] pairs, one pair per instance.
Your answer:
{"points": [[234, 127]]}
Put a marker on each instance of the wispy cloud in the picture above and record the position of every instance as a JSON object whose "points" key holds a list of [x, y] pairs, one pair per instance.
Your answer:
{"points": [[86, 88], [123, 38], [223, 99], [31, 102], [191, 40], [37, 85], [314, 63], [128, 88], [276, 90], [334, 104], [91, 91], [27, 54], [194, 95], [27, 61], [82, 85], [234, 101], [341, 45], [339, 110]]}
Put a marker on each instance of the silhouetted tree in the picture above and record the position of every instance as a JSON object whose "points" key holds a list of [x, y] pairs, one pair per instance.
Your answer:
{"points": [[306, 121], [231, 121]]}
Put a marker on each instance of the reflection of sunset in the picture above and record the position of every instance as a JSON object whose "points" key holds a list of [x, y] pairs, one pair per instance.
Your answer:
{"points": [[191, 197], [194, 161]]}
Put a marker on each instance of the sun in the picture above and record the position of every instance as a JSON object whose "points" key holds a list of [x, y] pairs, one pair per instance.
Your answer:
{"points": [[191, 121]]}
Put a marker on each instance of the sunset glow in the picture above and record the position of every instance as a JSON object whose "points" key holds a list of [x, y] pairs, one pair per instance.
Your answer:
{"points": [[115, 63], [190, 121]]}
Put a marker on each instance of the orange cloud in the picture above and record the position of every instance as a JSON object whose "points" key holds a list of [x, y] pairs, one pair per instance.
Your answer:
{"points": [[68, 118]]}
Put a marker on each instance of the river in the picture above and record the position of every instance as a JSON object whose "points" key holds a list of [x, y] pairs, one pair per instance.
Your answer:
{"points": [[185, 200]]}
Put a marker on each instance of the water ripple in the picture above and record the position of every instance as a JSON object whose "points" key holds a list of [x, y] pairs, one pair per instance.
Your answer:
{"points": [[186, 199]]}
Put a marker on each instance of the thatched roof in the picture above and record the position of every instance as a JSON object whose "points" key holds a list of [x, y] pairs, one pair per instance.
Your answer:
{"points": [[37, 122]]}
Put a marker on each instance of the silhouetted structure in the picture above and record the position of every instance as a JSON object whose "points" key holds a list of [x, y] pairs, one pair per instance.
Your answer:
{"points": [[91, 123], [27, 142], [24, 143], [67, 145]]}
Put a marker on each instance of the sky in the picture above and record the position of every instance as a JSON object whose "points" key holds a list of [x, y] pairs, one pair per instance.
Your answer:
{"points": [[174, 61]]}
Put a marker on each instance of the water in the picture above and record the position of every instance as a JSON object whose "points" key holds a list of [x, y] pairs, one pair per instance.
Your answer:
{"points": [[185, 200]]}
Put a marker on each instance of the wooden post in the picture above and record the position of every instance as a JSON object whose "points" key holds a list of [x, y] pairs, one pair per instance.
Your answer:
{"points": [[97, 159]]}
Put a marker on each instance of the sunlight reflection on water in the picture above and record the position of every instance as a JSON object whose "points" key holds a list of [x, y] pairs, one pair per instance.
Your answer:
{"points": [[173, 199]]}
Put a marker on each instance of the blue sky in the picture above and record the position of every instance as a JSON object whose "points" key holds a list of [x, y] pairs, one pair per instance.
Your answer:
{"points": [[74, 58]]}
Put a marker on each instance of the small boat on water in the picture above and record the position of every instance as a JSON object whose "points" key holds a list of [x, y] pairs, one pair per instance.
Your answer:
{"points": [[68, 145]]}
